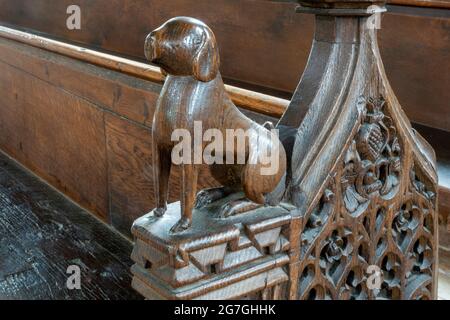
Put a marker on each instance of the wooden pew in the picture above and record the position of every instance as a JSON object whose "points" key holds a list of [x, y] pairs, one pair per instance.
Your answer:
{"points": [[61, 65]]}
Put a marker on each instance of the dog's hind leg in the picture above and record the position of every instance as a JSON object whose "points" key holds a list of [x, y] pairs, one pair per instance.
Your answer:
{"points": [[228, 176], [238, 206], [161, 172], [251, 201], [207, 196]]}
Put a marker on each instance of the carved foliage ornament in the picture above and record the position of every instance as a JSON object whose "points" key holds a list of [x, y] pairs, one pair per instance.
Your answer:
{"points": [[369, 222], [372, 163]]}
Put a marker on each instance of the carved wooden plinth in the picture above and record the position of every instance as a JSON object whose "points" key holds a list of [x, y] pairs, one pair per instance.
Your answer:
{"points": [[244, 256], [360, 194]]}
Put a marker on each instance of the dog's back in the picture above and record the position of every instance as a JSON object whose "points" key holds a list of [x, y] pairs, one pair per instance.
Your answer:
{"points": [[182, 101]]}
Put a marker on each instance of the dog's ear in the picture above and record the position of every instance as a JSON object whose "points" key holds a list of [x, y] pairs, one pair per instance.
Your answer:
{"points": [[206, 62]]}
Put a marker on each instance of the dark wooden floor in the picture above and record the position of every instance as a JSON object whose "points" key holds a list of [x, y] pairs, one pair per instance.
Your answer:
{"points": [[42, 233]]}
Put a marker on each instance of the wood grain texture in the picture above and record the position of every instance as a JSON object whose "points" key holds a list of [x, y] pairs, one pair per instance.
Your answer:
{"points": [[194, 93], [440, 141], [267, 25], [130, 173], [33, 267], [264, 23], [423, 3], [122, 94], [415, 66], [250, 100], [82, 128], [134, 98], [361, 189], [129, 170], [57, 135], [43, 233]]}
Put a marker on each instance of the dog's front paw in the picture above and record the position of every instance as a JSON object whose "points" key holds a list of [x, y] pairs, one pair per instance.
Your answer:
{"points": [[227, 210], [203, 198], [181, 225], [159, 212]]}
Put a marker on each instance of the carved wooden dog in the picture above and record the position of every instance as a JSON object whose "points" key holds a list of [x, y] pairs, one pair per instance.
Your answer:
{"points": [[186, 50]]}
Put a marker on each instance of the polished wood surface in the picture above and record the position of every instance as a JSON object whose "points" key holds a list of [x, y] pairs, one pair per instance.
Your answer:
{"points": [[18, 280], [60, 138], [131, 178], [130, 106], [97, 109], [423, 3], [247, 99], [187, 51], [89, 119], [410, 35], [264, 30], [361, 186]]}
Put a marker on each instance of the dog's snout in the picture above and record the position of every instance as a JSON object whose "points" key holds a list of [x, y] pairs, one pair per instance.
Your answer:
{"points": [[150, 42], [152, 36]]}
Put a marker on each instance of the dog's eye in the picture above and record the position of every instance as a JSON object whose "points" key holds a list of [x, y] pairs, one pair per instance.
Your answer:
{"points": [[197, 41], [193, 41]]}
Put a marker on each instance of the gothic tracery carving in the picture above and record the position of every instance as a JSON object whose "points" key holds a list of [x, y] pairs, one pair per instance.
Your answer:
{"points": [[378, 225], [372, 163]]}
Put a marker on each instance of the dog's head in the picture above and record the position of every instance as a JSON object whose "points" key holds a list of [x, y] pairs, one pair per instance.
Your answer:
{"points": [[184, 46]]}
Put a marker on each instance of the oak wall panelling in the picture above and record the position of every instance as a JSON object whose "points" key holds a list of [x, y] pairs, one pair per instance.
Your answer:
{"points": [[55, 134], [412, 32], [85, 130], [131, 173], [129, 170]]}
